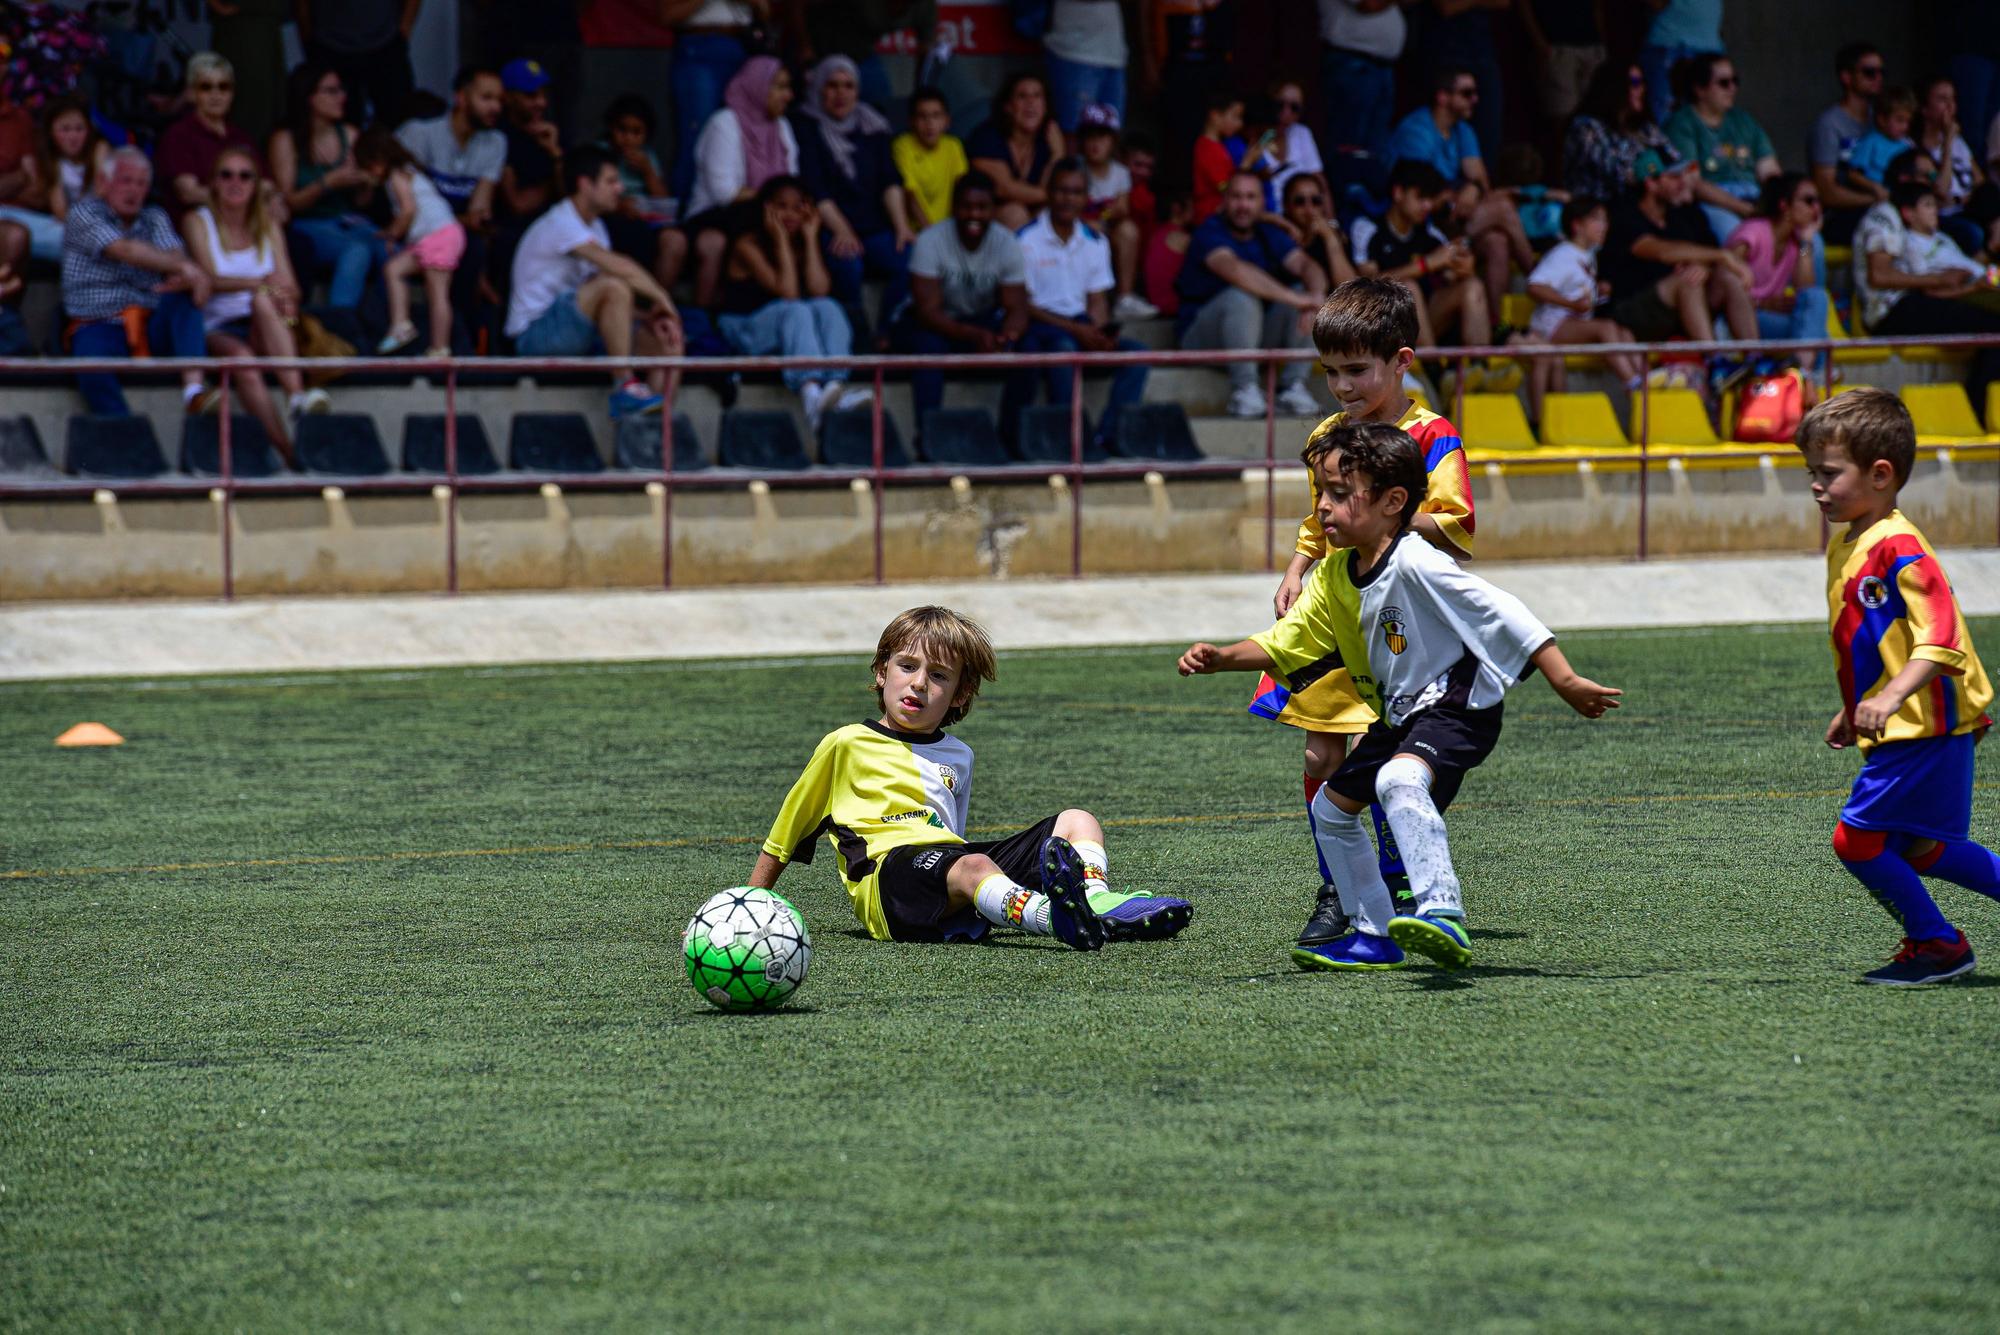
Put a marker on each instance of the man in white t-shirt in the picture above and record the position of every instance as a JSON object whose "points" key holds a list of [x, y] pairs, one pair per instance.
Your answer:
{"points": [[1069, 293], [576, 297]]}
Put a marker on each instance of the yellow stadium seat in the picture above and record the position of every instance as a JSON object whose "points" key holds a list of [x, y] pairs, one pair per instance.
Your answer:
{"points": [[1678, 418], [1993, 407], [1942, 410], [1516, 308], [1839, 257], [1495, 422], [1850, 356], [1581, 421]]}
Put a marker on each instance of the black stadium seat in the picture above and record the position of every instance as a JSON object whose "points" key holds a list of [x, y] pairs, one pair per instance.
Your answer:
{"points": [[113, 447], [761, 439], [250, 452], [345, 444], [847, 440], [636, 445], [1155, 431], [1044, 436], [423, 445], [552, 443], [963, 436], [21, 452]]}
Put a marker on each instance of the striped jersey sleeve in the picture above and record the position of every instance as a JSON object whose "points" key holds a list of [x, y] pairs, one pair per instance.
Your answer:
{"points": [[1890, 603], [1447, 493]]}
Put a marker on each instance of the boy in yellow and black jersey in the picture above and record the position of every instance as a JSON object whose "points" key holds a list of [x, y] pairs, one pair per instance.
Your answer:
{"points": [[893, 795]]}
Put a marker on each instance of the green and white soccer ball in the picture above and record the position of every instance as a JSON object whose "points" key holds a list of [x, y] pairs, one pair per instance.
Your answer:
{"points": [[747, 949]]}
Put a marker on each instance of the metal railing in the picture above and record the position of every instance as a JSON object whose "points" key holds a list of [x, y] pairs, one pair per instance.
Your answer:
{"points": [[449, 486]]}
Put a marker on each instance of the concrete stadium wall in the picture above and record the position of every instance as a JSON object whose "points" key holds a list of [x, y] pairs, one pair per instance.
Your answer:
{"points": [[77, 549]]}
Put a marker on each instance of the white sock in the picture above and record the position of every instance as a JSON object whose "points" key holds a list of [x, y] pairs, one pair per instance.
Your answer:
{"points": [[1096, 867], [189, 393], [1349, 854], [1404, 787], [1004, 903]]}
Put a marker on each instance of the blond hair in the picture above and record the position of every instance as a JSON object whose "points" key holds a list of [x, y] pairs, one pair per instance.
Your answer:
{"points": [[1870, 424], [204, 63], [256, 219], [957, 639]]}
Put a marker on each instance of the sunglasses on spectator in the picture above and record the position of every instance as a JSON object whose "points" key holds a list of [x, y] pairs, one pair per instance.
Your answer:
{"points": [[238, 175], [1726, 81], [1314, 199], [1868, 71], [1636, 80], [214, 87], [1465, 92], [1290, 104]]}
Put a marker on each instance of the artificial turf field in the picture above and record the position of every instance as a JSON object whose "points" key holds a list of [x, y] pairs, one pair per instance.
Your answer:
{"points": [[356, 1001]]}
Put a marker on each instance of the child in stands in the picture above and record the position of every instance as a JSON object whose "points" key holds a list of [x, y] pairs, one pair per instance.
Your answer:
{"points": [[1109, 184], [433, 241], [1567, 291]]}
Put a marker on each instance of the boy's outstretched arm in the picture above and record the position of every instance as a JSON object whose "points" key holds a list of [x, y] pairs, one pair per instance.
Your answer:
{"points": [[1242, 656], [1585, 696], [765, 874]]}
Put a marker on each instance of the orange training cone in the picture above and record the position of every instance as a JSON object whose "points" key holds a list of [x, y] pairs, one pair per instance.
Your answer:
{"points": [[90, 734]]}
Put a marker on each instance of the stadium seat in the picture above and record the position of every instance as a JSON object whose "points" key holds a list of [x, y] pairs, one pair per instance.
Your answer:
{"points": [[761, 438], [21, 452], [1044, 437], [552, 443], [423, 445], [1495, 422], [1993, 407], [1516, 308], [1678, 418], [847, 440], [1849, 356], [1155, 431], [113, 447], [963, 436], [345, 444], [250, 452], [1581, 421], [1942, 410], [636, 445]]}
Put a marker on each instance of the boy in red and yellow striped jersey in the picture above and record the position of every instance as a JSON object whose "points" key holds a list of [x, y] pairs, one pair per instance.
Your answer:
{"points": [[1913, 692], [1365, 334]]}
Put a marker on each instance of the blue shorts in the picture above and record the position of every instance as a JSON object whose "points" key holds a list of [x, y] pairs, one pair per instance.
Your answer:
{"points": [[1921, 787], [560, 331]]}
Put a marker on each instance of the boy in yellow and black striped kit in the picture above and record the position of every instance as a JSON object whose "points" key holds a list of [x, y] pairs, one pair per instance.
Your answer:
{"points": [[894, 795]]}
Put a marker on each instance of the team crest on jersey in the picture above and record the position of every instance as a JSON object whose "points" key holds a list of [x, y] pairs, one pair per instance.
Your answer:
{"points": [[948, 777], [1391, 621], [1873, 592]]}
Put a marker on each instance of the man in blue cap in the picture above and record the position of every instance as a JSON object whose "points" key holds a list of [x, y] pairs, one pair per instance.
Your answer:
{"points": [[1667, 275], [534, 147]]}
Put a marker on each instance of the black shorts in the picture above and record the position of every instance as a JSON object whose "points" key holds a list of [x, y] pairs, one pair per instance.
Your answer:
{"points": [[1650, 319], [1451, 741], [912, 883]]}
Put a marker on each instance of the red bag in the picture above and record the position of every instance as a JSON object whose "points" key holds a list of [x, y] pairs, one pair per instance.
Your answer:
{"points": [[1771, 407]]}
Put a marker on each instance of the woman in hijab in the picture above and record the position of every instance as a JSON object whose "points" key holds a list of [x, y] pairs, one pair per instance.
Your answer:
{"points": [[745, 144], [845, 160]]}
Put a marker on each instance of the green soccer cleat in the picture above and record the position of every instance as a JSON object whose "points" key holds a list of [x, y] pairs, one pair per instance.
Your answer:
{"points": [[1139, 917], [1436, 938]]}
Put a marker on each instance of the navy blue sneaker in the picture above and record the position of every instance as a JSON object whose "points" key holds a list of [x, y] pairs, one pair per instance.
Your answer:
{"points": [[1076, 924], [633, 399], [1439, 938], [1356, 952], [1921, 962], [1139, 917]]}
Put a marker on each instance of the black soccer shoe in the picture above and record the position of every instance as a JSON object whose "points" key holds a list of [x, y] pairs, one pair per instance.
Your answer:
{"points": [[1329, 922]]}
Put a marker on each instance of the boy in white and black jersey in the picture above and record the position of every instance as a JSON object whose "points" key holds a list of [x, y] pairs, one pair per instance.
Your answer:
{"points": [[1434, 649]]}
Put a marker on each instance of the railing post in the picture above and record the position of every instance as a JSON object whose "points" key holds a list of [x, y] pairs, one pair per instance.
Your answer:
{"points": [[1645, 440], [667, 479], [875, 428], [451, 477], [1076, 470], [228, 492], [1271, 466]]}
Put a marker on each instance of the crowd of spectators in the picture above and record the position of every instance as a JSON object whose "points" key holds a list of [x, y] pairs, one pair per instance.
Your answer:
{"points": [[803, 210]]}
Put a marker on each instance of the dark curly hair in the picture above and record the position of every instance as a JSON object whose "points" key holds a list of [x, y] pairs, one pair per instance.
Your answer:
{"points": [[1384, 454]]}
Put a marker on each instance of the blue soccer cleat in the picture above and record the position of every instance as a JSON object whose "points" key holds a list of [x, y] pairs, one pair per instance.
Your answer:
{"points": [[1436, 937], [1139, 917], [1076, 924], [1921, 962], [1357, 952]]}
